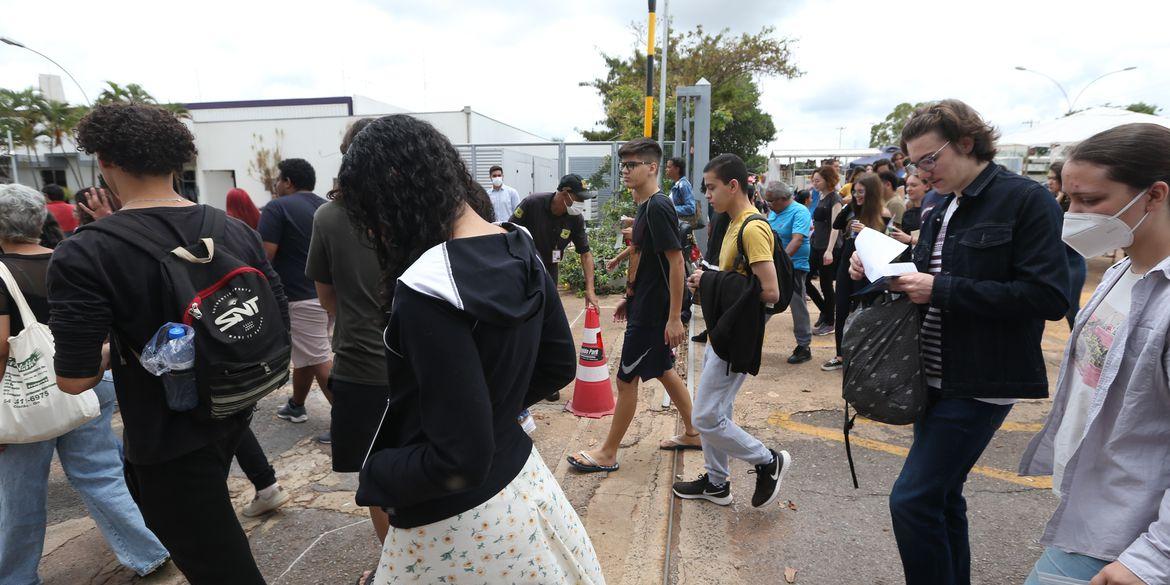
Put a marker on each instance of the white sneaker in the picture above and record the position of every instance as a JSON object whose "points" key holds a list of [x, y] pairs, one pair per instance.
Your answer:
{"points": [[266, 500]]}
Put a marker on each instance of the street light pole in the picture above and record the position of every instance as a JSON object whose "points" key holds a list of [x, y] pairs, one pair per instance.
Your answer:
{"points": [[1055, 82], [1082, 92], [1072, 104], [8, 41]]}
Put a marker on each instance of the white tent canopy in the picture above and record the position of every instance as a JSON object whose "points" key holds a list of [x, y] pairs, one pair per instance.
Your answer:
{"points": [[1079, 126]]}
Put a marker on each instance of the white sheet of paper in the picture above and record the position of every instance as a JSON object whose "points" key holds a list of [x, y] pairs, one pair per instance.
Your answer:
{"points": [[877, 251]]}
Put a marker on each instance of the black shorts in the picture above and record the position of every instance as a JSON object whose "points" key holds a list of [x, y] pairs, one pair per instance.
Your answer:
{"points": [[645, 354], [357, 412]]}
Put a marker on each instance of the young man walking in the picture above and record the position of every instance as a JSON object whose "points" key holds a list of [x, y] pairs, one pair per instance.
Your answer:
{"points": [[103, 285], [286, 226], [652, 308], [992, 269], [725, 177]]}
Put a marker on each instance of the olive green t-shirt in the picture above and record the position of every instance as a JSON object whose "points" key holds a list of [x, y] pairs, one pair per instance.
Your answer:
{"points": [[341, 256]]}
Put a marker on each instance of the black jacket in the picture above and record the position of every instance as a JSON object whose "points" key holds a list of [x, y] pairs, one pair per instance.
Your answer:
{"points": [[476, 334], [735, 318], [1004, 273]]}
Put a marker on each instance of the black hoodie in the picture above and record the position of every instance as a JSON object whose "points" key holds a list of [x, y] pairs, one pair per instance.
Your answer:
{"points": [[476, 334]]}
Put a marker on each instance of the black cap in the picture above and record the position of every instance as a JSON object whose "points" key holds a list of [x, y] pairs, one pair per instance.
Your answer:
{"points": [[576, 185]]}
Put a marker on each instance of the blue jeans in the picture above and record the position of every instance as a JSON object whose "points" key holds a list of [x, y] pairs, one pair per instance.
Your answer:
{"points": [[90, 455], [1059, 563], [926, 504]]}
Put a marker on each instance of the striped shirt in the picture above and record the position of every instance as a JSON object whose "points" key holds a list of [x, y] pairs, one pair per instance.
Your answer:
{"points": [[932, 324]]}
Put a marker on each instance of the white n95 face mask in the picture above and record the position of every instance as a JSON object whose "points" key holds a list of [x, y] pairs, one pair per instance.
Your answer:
{"points": [[576, 209], [1093, 234], [497, 182]]}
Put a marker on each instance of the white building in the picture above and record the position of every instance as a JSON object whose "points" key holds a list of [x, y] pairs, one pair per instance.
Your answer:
{"points": [[231, 135]]}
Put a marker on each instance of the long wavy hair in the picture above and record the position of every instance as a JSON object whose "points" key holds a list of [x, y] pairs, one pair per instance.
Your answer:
{"points": [[402, 180]]}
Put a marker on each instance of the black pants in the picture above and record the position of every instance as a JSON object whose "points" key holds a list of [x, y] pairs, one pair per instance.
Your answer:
{"points": [[250, 455], [185, 502], [846, 286], [824, 299]]}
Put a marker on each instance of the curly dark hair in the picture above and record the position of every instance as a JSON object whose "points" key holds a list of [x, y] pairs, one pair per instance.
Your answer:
{"points": [[142, 139], [404, 182], [299, 172]]}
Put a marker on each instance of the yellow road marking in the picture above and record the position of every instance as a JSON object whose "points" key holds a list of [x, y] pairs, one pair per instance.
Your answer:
{"points": [[1009, 427], [784, 420]]}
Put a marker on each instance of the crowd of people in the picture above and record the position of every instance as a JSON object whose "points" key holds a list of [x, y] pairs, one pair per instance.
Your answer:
{"points": [[425, 308]]}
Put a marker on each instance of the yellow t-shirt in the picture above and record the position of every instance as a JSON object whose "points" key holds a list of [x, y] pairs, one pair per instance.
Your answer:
{"points": [[757, 238]]}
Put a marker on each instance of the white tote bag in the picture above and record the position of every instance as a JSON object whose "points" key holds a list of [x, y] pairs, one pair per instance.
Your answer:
{"points": [[34, 408]]}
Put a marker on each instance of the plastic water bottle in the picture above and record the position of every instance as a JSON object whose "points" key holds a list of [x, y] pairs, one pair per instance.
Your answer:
{"points": [[527, 422], [179, 356]]}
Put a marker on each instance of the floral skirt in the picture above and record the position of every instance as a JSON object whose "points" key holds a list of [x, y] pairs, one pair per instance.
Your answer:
{"points": [[526, 534]]}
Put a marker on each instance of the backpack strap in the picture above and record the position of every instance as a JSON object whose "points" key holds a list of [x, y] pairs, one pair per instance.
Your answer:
{"points": [[741, 259], [130, 230], [849, 450]]}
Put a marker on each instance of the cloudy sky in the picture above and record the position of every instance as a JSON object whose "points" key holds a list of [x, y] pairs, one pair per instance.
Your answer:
{"points": [[521, 60]]}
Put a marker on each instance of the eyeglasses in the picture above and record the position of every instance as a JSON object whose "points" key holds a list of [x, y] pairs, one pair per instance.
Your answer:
{"points": [[630, 165], [927, 162]]}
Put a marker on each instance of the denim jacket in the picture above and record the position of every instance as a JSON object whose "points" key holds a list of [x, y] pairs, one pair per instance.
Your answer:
{"points": [[1115, 501], [1004, 273]]}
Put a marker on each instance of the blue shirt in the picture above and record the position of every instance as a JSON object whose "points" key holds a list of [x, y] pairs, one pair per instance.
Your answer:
{"points": [[505, 200], [288, 222], [795, 219], [682, 197]]}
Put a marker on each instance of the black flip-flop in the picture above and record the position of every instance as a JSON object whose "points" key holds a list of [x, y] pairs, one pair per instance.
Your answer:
{"points": [[591, 465], [368, 579]]}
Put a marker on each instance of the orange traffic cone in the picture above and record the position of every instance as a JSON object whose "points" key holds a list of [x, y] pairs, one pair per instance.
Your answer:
{"points": [[593, 393]]}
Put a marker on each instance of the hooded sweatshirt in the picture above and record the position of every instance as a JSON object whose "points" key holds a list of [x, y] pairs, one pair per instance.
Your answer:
{"points": [[476, 335]]}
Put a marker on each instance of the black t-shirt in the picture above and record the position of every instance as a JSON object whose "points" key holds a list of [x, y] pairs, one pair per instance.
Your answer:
{"points": [[551, 233], [822, 218], [101, 286], [29, 273], [288, 222], [655, 232]]}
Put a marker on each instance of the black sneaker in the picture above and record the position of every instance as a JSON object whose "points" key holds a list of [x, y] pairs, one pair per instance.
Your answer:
{"points": [[702, 489], [800, 355], [833, 365], [768, 478], [554, 397]]}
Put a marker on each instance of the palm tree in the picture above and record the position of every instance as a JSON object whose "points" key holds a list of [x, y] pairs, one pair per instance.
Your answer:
{"points": [[134, 93], [24, 110], [60, 120]]}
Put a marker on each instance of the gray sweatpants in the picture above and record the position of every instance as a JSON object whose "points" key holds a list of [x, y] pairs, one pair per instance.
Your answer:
{"points": [[801, 325], [722, 438]]}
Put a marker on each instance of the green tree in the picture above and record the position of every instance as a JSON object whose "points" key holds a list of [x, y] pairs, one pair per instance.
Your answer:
{"points": [[732, 64], [1144, 108], [22, 113], [134, 93], [59, 120], [889, 131]]}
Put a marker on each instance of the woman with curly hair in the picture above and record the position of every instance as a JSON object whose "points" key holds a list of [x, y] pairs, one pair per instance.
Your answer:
{"points": [[476, 334]]}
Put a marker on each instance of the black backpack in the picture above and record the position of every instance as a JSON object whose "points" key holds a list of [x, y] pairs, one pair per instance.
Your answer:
{"points": [[883, 381], [242, 349], [785, 273]]}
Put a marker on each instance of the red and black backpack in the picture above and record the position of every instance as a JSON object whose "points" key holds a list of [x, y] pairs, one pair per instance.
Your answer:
{"points": [[242, 349]]}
